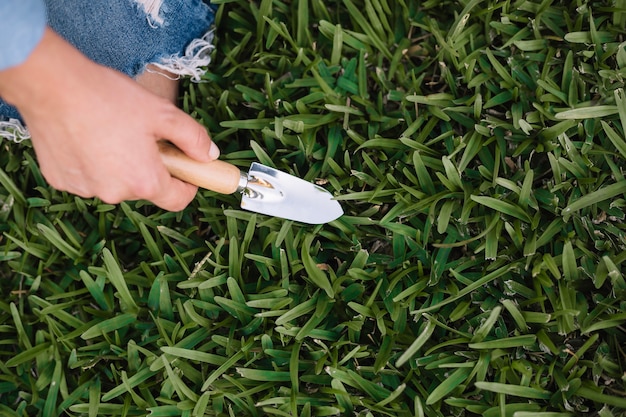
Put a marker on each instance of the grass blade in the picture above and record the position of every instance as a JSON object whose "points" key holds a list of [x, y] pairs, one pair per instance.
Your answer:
{"points": [[417, 344], [514, 390], [503, 207], [315, 274], [109, 325], [594, 197], [114, 273], [448, 385]]}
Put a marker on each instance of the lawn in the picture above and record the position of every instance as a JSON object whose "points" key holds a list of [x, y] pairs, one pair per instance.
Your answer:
{"points": [[477, 148]]}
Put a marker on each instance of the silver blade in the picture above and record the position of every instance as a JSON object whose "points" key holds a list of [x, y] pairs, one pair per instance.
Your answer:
{"points": [[279, 194]]}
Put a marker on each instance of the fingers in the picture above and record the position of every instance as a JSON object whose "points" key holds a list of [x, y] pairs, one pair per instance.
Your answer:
{"points": [[138, 174], [190, 137], [187, 134], [155, 185], [149, 180], [178, 195]]}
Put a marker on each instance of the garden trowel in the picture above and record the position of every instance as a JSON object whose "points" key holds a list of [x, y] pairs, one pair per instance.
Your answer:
{"points": [[263, 189]]}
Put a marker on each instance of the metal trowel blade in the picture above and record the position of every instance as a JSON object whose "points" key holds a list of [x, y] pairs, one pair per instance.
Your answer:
{"points": [[279, 194]]}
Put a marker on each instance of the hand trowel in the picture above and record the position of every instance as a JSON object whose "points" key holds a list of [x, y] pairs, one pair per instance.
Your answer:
{"points": [[263, 189]]}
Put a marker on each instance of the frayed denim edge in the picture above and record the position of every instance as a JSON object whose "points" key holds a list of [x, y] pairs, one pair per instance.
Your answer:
{"points": [[193, 63]]}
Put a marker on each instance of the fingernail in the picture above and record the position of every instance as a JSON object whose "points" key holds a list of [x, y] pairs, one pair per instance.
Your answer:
{"points": [[214, 151]]}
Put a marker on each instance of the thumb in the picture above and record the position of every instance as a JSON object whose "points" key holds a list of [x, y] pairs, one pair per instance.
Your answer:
{"points": [[188, 135]]}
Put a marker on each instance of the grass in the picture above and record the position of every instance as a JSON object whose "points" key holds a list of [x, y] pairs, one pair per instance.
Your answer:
{"points": [[477, 149]]}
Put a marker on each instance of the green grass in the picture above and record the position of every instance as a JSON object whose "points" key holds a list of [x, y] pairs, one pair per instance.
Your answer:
{"points": [[477, 148]]}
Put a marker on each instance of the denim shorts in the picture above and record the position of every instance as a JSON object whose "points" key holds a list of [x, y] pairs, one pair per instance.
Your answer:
{"points": [[127, 35]]}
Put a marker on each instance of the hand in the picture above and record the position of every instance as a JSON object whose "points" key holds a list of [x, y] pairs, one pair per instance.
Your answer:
{"points": [[95, 131]]}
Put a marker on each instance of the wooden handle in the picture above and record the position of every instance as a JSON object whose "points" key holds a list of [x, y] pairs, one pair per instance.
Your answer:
{"points": [[218, 176]]}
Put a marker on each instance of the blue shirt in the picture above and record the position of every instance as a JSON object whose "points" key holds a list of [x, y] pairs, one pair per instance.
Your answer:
{"points": [[23, 25]]}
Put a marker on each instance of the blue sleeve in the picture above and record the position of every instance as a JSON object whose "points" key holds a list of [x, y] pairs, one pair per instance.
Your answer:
{"points": [[23, 25]]}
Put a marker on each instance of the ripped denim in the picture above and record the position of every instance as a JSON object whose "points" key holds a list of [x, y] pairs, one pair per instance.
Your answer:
{"points": [[129, 35]]}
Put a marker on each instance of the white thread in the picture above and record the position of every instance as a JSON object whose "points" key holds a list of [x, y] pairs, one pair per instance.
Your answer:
{"points": [[153, 10], [197, 56], [13, 130]]}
